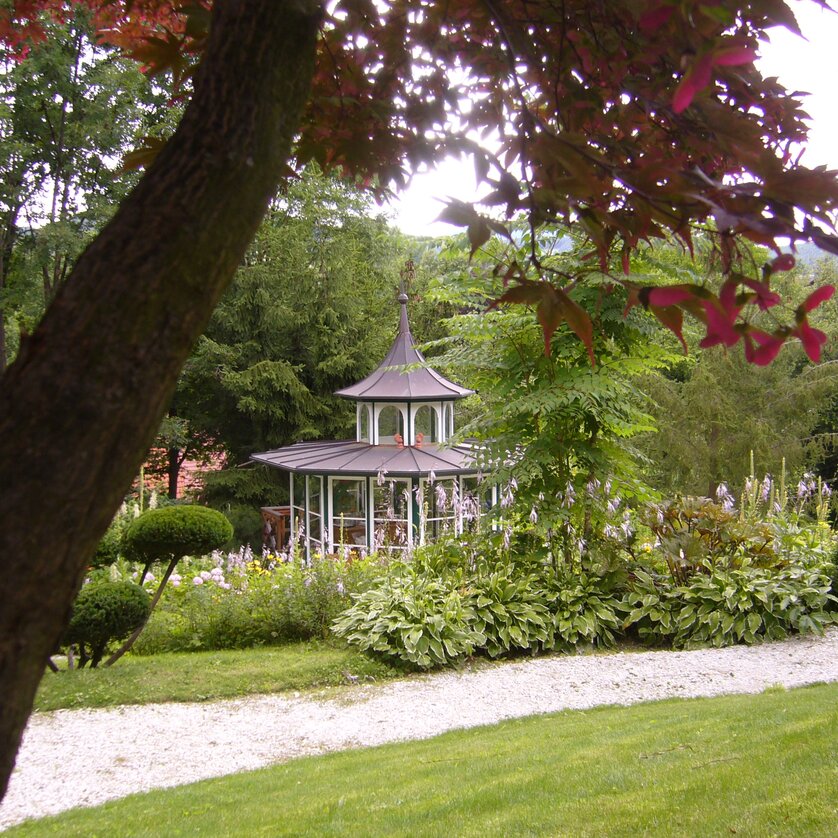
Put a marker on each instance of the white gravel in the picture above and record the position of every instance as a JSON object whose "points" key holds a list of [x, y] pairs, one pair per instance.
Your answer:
{"points": [[73, 758]]}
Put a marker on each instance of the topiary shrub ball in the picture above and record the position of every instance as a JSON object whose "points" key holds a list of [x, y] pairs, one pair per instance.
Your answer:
{"points": [[175, 531], [106, 611], [109, 548]]}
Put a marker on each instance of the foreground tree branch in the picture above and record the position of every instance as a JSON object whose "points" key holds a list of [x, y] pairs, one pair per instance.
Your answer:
{"points": [[81, 404]]}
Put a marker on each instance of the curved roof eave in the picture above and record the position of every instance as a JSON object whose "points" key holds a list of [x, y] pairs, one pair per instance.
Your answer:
{"points": [[363, 459], [389, 383]]}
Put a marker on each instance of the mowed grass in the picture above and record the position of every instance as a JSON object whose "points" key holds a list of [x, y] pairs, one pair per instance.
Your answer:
{"points": [[202, 676], [763, 765]]}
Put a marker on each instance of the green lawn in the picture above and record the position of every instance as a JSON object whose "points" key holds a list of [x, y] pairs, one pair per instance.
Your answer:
{"points": [[763, 765], [201, 676]]}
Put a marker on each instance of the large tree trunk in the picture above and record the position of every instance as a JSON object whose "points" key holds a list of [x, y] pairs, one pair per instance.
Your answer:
{"points": [[174, 462], [80, 406]]}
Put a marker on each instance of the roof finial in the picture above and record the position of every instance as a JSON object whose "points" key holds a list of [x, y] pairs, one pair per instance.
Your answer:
{"points": [[406, 277]]}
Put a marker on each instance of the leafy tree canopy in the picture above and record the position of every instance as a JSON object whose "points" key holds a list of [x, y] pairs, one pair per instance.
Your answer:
{"points": [[633, 120]]}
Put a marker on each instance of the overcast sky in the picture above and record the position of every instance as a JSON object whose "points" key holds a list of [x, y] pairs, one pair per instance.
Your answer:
{"points": [[809, 65]]}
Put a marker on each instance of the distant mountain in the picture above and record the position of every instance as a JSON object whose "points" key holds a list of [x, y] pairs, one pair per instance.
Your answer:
{"points": [[809, 254]]}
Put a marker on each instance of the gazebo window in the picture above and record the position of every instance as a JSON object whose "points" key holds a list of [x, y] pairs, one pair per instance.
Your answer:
{"points": [[440, 503], [349, 519], [425, 424], [449, 421], [390, 425], [364, 423], [314, 525], [391, 511]]}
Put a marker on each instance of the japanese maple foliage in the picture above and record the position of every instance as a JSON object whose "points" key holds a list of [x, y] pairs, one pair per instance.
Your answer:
{"points": [[633, 119]]}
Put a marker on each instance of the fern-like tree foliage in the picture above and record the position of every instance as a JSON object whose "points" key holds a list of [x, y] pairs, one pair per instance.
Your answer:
{"points": [[715, 412], [558, 434]]}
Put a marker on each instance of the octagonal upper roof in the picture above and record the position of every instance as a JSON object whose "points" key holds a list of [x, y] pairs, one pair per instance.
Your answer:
{"points": [[392, 383]]}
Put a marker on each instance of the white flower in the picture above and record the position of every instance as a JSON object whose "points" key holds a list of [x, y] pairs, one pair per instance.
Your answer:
{"points": [[197, 581], [507, 498], [441, 497], [507, 538], [533, 516], [724, 496]]}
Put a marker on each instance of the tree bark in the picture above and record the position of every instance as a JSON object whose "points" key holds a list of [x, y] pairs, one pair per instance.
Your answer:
{"points": [[81, 404], [173, 470]]}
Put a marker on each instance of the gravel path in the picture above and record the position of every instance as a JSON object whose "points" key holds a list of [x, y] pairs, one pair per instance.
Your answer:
{"points": [[73, 758]]}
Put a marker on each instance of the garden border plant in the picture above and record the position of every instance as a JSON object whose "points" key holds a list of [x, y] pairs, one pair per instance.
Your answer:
{"points": [[170, 533]]}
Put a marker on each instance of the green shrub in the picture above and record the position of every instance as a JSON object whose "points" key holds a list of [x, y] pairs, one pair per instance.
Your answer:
{"points": [[508, 611], [104, 612], [694, 532], [443, 607], [419, 620], [651, 603], [730, 605], [166, 631], [109, 549], [585, 608], [241, 603], [175, 531]]}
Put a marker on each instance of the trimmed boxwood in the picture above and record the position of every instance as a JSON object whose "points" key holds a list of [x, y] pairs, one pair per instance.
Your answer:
{"points": [[102, 612], [176, 531], [170, 533]]}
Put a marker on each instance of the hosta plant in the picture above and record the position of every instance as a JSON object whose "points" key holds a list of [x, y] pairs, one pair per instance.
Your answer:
{"points": [[730, 605], [584, 609], [422, 621], [509, 612]]}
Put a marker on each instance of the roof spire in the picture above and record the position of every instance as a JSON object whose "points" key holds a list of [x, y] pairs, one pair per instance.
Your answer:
{"points": [[391, 381], [406, 277]]}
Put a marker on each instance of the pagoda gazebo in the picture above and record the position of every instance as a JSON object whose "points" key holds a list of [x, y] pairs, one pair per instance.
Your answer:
{"points": [[398, 483]]}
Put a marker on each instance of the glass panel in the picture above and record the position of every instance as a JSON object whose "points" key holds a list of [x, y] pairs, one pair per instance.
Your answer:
{"points": [[364, 423], [390, 424], [440, 500], [315, 521], [391, 509], [425, 425], [476, 501], [349, 519]]}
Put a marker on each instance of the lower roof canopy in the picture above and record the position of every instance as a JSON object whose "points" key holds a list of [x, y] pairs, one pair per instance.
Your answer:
{"points": [[361, 458]]}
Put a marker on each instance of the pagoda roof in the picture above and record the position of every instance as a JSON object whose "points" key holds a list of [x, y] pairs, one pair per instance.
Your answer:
{"points": [[361, 458], [392, 382]]}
